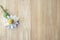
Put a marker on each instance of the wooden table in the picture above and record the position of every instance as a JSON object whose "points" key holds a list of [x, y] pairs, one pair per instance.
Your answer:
{"points": [[39, 20]]}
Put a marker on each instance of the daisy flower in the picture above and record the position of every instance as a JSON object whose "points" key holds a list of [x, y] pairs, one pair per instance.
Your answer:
{"points": [[9, 20]]}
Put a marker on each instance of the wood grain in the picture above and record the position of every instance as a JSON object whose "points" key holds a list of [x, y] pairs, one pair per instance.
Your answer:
{"points": [[20, 8], [45, 16], [39, 20]]}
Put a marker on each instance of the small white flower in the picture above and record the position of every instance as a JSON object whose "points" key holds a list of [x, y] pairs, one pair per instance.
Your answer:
{"points": [[11, 21]]}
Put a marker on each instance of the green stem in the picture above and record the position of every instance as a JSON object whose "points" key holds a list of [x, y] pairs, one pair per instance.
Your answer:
{"points": [[5, 13], [3, 9]]}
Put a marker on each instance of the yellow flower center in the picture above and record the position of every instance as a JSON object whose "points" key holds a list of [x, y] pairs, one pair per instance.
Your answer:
{"points": [[10, 21]]}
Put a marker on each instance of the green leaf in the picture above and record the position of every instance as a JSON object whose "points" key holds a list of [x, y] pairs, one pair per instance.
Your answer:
{"points": [[5, 14]]}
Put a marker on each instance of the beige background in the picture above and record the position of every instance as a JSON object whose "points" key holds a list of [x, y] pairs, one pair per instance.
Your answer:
{"points": [[39, 20]]}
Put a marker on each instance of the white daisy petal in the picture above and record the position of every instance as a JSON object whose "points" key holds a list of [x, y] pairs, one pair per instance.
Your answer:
{"points": [[8, 16], [11, 26], [6, 24], [14, 25], [16, 22], [4, 19], [11, 16], [15, 18]]}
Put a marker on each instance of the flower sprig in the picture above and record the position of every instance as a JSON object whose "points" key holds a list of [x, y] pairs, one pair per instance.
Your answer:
{"points": [[9, 20]]}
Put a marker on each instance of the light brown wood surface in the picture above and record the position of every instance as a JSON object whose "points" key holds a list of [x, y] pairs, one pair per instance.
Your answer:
{"points": [[39, 20]]}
